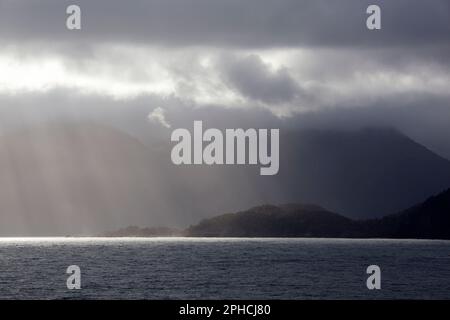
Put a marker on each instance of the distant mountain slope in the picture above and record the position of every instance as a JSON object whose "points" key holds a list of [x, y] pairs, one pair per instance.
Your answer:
{"points": [[81, 178], [363, 174], [428, 220]]}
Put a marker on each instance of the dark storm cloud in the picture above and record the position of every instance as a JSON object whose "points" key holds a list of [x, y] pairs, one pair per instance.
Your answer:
{"points": [[255, 79], [414, 43], [236, 23]]}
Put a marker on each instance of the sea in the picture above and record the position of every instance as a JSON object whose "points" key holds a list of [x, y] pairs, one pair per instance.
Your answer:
{"points": [[223, 268]]}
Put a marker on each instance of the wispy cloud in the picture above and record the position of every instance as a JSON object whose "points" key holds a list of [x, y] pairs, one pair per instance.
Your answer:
{"points": [[158, 116]]}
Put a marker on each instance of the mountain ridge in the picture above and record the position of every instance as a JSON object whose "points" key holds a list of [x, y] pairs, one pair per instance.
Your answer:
{"points": [[427, 220]]}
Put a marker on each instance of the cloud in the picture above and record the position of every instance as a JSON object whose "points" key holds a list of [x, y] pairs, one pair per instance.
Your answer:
{"points": [[231, 23], [158, 116], [282, 81], [286, 57], [254, 79]]}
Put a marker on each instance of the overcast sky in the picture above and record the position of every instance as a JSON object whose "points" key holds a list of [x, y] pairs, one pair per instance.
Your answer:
{"points": [[291, 59]]}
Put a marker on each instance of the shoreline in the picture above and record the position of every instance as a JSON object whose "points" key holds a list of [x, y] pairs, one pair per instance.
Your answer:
{"points": [[179, 238]]}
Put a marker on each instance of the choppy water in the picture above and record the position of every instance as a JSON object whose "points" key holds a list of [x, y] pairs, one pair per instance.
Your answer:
{"points": [[182, 268]]}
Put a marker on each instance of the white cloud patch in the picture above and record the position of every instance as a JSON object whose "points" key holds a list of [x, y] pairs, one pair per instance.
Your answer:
{"points": [[158, 116]]}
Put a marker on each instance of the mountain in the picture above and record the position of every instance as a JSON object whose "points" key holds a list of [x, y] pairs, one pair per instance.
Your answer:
{"points": [[362, 174], [428, 220], [86, 178]]}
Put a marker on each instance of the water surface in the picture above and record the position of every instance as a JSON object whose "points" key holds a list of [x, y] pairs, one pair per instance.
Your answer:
{"points": [[211, 268]]}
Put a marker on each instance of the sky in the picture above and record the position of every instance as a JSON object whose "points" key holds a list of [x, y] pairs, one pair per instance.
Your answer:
{"points": [[289, 57], [148, 67]]}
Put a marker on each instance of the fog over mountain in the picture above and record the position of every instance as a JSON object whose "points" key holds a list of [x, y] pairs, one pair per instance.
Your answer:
{"points": [[89, 178]]}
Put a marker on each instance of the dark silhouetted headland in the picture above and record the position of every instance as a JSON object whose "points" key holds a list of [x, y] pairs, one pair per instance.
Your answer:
{"points": [[291, 220], [428, 220]]}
